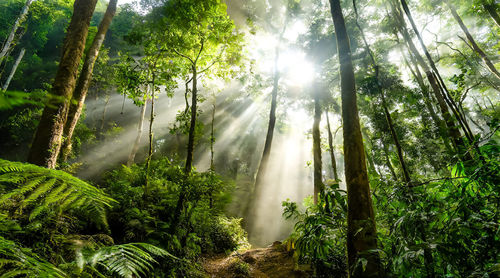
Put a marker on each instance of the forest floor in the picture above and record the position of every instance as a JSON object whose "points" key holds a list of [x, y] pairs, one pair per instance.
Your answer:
{"points": [[273, 262]]}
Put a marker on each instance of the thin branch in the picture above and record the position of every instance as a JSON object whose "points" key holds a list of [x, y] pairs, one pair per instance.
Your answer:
{"points": [[432, 180], [199, 53], [215, 60], [182, 55]]}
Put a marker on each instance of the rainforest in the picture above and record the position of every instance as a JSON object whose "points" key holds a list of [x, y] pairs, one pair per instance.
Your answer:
{"points": [[249, 138]]}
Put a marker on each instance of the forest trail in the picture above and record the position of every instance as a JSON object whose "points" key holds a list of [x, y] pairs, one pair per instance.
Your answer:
{"points": [[270, 262]]}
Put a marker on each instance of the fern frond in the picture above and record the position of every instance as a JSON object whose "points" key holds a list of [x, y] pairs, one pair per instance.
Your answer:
{"points": [[127, 260], [18, 261], [41, 189]]}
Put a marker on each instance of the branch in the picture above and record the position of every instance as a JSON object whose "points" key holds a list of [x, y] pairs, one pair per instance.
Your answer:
{"points": [[182, 55], [431, 180], [215, 61], [199, 53], [466, 42]]}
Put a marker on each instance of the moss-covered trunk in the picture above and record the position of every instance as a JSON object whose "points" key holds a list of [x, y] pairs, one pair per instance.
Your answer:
{"points": [[82, 87], [47, 141]]}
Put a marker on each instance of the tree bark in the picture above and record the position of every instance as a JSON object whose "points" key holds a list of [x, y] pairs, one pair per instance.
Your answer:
{"points": [[446, 95], [428, 104], [318, 175], [212, 138], [272, 119], [473, 43], [388, 162], [395, 139], [8, 42], [331, 148], [381, 92], [82, 87], [47, 141], [100, 133], [137, 141], [192, 126], [360, 214], [261, 169], [492, 9], [453, 131], [151, 134], [14, 69]]}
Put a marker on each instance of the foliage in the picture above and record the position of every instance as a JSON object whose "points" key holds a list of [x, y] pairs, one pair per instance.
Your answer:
{"points": [[39, 190], [319, 233], [240, 268], [146, 214], [456, 219], [22, 185], [17, 261], [9, 99], [127, 260]]}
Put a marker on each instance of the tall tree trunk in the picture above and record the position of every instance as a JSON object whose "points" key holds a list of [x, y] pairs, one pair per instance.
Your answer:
{"points": [[360, 214], [272, 119], [453, 131], [318, 175], [388, 162], [381, 92], [47, 142], [8, 42], [473, 43], [395, 139], [428, 104], [151, 134], [85, 78], [212, 137], [446, 95], [100, 133], [137, 141], [261, 169], [190, 147], [331, 148], [492, 9], [14, 69], [192, 126]]}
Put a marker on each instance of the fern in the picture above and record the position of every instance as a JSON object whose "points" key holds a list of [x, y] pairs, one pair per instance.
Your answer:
{"points": [[126, 260], [16, 261], [41, 189]]}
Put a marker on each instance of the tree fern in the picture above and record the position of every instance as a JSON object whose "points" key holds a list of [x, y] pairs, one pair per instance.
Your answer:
{"points": [[38, 189], [16, 261]]}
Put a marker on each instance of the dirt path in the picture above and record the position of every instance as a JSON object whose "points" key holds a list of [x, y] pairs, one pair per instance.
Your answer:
{"points": [[272, 262]]}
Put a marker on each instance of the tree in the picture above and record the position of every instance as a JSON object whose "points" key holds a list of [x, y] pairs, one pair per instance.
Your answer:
{"points": [[445, 92], [137, 140], [472, 42], [85, 78], [331, 148], [8, 42], [318, 173], [492, 8], [201, 35], [363, 259], [250, 211], [14, 68], [453, 131], [47, 142]]}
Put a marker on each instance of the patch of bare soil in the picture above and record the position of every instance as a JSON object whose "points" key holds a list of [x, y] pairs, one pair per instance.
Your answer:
{"points": [[271, 262]]}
